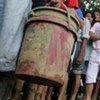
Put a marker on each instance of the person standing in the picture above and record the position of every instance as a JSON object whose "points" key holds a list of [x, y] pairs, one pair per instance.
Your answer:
{"points": [[2, 6], [94, 62], [97, 85], [79, 58], [14, 14]]}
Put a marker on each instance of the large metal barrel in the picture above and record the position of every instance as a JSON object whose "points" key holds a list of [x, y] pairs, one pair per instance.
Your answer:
{"points": [[46, 49]]}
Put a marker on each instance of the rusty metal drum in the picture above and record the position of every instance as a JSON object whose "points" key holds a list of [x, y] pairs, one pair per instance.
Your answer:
{"points": [[47, 46]]}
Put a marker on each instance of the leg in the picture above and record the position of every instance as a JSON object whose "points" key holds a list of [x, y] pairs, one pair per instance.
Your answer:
{"points": [[96, 91], [62, 95], [42, 90], [32, 91], [49, 93], [75, 86], [97, 88], [17, 89], [88, 92], [91, 77], [70, 83]]}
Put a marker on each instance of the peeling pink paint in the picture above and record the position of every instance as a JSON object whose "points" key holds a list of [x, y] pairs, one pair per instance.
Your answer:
{"points": [[53, 47], [47, 50], [63, 37]]}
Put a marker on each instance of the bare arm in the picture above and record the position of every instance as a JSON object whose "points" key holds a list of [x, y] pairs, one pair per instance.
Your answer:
{"points": [[80, 21], [82, 51], [85, 37], [94, 36]]}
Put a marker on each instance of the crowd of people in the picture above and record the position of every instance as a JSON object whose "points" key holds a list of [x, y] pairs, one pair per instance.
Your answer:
{"points": [[85, 58]]}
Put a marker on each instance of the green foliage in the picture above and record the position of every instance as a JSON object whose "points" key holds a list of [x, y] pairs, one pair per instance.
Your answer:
{"points": [[92, 4]]}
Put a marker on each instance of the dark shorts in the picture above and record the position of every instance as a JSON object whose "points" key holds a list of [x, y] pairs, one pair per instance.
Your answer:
{"points": [[79, 69]]}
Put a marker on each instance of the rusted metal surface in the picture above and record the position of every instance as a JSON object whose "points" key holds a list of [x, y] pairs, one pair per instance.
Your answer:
{"points": [[46, 49], [54, 12]]}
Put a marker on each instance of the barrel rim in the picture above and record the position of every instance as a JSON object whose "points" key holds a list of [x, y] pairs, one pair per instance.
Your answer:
{"points": [[35, 19], [58, 10], [43, 80]]}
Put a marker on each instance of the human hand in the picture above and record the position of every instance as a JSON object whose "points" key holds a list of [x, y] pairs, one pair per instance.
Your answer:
{"points": [[72, 11], [79, 60]]}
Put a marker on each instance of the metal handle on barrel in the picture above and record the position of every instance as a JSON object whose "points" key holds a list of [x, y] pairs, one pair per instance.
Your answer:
{"points": [[68, 14]]}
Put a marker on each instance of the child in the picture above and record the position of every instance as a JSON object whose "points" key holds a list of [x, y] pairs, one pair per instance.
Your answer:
{"points": [[77, 67], [94, 62], [96, 91], [97, 15], [97, 85]]}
